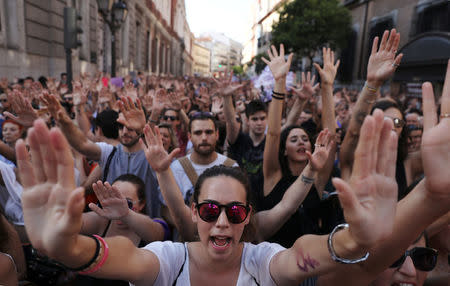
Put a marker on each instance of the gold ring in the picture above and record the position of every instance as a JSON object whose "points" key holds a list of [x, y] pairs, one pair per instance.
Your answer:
{"points": [[445, 115]]}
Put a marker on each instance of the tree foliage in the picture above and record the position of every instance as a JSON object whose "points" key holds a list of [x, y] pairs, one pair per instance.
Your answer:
{"points": [[306, 25]]}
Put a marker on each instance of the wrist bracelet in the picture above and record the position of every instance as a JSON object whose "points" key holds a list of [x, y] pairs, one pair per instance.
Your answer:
{"points": [[277, 97], [102, 260], [371, 89], [278, 93], [307, 180], [93, 259], [333, 253], [167, 233]]}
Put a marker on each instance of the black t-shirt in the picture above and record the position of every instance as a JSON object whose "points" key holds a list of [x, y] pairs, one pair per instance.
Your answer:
{"points": [[303, 221], [250, 159]]}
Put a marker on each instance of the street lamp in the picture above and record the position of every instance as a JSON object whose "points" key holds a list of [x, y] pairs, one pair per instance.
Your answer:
{"points": [[114, 14]]}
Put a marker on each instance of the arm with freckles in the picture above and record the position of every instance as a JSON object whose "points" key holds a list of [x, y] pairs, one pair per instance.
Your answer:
{"points": [[53, 208], [160, 162], [369, 202], [270, 221], [271, 165]]}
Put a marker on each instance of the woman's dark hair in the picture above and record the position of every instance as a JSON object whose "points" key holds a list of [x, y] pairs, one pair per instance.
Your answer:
{"points": [[283, 158], [402, 150], [135, 180], [237, 174]]}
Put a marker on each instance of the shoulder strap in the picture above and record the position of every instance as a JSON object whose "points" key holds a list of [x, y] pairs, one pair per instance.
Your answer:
{"points": [[182, 266], [189, 169], [228, 162], [108, 162]]}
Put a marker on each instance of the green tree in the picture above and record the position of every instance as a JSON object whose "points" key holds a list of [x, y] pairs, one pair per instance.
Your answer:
{"points": [[238, 70], [306, 25]]}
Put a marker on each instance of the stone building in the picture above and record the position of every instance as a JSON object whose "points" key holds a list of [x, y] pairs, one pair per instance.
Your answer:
{"points": [[424, 26], [155, 38], [202, 60], [225, 52]]}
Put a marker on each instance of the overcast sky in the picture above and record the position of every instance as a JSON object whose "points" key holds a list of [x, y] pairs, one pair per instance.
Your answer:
{"points": [[230, 17]]}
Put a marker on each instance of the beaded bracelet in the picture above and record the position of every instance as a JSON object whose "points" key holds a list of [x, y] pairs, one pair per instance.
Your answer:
{"points": [[93, 259], [333, 253], [371, 89], [102, 260]]}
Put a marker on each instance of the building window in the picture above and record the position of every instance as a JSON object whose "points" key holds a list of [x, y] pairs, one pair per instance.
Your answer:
{"points": [[432, 16]]}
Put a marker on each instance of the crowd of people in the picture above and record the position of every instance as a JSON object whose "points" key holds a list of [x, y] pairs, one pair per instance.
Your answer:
{"points": [[158, 180]]}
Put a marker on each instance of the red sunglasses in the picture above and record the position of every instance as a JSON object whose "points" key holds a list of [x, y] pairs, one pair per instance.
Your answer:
{"points": [[210, 211]]}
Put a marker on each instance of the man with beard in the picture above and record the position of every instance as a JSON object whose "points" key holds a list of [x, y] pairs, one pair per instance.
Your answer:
{"points": [[126, 158], [203, 134]]}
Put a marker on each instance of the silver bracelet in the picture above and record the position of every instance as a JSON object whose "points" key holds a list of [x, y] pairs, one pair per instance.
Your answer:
{"points": [[307, 180], [333, 253]]}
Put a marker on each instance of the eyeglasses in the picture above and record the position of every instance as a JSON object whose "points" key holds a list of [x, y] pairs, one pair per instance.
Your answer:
{"points": [[170, 117], [3, 100], [210, 211], [398, 123], [424, 258]]}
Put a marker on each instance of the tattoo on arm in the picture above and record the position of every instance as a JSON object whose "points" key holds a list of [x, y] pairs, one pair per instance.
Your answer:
{"points": [[307, 180], [305, 262]]}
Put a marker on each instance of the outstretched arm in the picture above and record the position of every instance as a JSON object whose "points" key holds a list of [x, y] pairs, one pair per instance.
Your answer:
{"points": [[226, 90], [369, 202], [53, 209], [382, 65], [428, 201], [305, 92], [115, 207], [270, 221], [73, 134], [160, 161], [271, 166]]}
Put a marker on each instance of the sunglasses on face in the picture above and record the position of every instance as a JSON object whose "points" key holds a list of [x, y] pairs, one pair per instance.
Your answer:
{"points": [[424, 258], [3, 100], [169, 117], [398, 123], [202, 114], [210, 211]]}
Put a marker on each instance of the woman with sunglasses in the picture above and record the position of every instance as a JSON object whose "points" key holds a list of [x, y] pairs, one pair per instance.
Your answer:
{"points": [[120, 212], [222, 211]]}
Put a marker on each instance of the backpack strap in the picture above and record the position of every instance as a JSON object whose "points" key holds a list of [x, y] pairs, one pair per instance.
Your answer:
{"points": [[229, 162], [189, 169], [108, 162]]}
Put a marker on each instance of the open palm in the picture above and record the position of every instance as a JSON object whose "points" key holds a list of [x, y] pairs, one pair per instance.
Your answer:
{"points": [[369, 198], [52, 208], [278, 65]]}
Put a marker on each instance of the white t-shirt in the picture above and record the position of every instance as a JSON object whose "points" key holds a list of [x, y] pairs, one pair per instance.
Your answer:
{"points": [[10, 195], [182, 179], [255, 263]]}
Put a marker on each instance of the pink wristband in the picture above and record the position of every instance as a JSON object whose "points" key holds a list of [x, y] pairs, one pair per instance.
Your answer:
{"points": [[102, 261]]}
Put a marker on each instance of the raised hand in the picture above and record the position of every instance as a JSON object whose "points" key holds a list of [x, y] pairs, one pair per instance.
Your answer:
{"points": [[382, 61], [224, 85], [175, 101], [307, 88], [369, 198], [52, 207], [277, 64], [323, 145], [53, 104], [436, 142], [114, 204], [160, 99], [26, 114], [154, 150], [133, 114], [329, 70]]}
